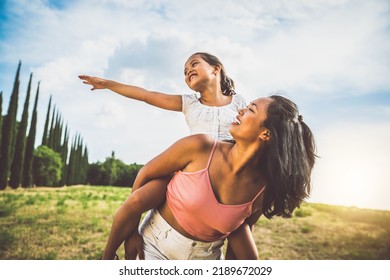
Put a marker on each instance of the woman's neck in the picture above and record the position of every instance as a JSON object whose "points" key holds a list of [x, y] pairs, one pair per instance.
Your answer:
{"points": [[245, 157]]}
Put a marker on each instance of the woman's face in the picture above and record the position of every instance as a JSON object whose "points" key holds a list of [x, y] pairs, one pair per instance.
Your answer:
{"points": [[197, 72], [249, 122]]}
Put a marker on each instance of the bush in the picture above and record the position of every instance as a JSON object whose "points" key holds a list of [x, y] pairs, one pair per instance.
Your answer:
{"points": [[112, 172], [47, 167]]}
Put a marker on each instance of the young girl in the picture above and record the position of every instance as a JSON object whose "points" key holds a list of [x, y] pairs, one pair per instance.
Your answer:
{"points": [[211, 113]]}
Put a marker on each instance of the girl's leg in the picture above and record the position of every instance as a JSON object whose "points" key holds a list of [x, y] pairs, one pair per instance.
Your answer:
{"points": [[147, 197], [127, 217]]}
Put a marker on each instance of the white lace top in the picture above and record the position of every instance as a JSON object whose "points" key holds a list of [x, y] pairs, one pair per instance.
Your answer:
{"points": [[211, 120]]}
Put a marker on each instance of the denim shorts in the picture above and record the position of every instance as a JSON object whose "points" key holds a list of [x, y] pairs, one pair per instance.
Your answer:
{"points": [[162, 242]]}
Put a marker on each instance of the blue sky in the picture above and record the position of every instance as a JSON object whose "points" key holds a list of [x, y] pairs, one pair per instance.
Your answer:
{"points": [[331, 57]]}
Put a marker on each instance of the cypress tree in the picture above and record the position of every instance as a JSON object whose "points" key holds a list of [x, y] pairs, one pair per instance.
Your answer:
{"points": [[64, 157], [1, 118], [77, 161], [70, 175], [8, 135], [27, 180], [57, 137], [20, 146], [45, 132], [85, 165], [50, 140]]}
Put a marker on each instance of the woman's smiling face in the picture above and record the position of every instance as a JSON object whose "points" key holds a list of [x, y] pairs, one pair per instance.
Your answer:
{"points": [[249, 121]]}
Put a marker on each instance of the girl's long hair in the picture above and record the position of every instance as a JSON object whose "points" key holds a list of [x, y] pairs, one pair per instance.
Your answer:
{"points": [[227, 84], [290, 157]]}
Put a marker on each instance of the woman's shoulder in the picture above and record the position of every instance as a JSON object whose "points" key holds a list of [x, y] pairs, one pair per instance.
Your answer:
{"points": [[198, 142]]}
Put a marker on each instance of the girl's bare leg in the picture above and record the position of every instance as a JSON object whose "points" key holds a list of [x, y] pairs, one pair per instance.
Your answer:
{"points": [[127, 217]]}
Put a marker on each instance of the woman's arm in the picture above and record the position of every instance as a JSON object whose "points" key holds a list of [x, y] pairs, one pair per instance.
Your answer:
{"points": [[241, 245], [158, 99]]}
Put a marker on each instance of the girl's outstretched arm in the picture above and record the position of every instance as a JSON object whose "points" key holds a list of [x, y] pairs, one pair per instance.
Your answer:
{"points": [[165, 101]]}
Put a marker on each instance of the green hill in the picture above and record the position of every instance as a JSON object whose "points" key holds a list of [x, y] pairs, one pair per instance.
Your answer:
{"points": [[74, 222]]}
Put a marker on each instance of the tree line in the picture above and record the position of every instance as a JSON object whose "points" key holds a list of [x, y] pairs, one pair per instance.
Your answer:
{"points": [[57, 161]]}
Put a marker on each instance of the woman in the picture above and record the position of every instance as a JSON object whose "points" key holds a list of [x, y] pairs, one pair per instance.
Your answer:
{"points": [[221, 188]]}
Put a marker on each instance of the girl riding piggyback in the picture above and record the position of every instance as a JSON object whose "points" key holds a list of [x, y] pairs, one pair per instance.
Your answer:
{"points": [[211, 113]]}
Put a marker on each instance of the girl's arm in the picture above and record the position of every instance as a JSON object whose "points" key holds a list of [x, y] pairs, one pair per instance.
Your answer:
{"points": [[158, 99], [128, 215]]}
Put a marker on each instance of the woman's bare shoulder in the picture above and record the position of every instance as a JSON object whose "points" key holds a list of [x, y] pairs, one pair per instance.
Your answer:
{"points": [[198, 142]]}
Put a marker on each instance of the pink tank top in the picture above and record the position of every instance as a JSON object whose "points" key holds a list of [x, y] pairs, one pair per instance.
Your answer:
{"points": [[192, 201]]}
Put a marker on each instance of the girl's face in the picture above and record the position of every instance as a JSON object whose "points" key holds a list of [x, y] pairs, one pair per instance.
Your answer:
{"points": [[249, 121], [198, 73]]}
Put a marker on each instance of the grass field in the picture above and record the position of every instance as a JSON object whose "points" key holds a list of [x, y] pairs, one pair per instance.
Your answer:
{"points": [[72, 223]]}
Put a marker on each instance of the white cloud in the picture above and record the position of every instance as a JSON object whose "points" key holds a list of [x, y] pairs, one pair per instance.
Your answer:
{"points": [[341, 51]]}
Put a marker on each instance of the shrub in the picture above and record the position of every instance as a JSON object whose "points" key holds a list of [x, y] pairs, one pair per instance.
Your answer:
{"points": [[47, 167]]}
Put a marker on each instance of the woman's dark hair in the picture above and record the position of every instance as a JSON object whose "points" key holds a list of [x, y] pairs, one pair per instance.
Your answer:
{"points": [[290, 157], [227, 84]]}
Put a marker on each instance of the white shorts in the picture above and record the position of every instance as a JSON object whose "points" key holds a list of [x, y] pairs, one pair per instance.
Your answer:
{"points": [[162, 242]]}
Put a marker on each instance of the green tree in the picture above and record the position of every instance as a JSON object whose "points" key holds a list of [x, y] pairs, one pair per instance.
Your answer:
{"points": [[94, 176], [55, 133], [123, 172], [47, 167], [47, 121], [50, 136], [132, 173], [8, 134], [70, 180], [85, 164], [78, 162], [1, 118], [112, 172], [20, 146], [27, 180], [110, 169], [64, 157]]}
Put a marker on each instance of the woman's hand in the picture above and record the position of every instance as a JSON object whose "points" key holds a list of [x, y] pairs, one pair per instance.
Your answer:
{"points": [[134, 246], [95, 82]]}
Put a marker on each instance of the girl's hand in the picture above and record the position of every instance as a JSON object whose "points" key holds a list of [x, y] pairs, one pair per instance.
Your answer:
{"points": [[134, 246], [95, 82]]}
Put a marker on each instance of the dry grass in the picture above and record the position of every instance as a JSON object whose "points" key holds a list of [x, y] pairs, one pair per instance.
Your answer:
{"points": [[73, 223], [326, 232]]}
